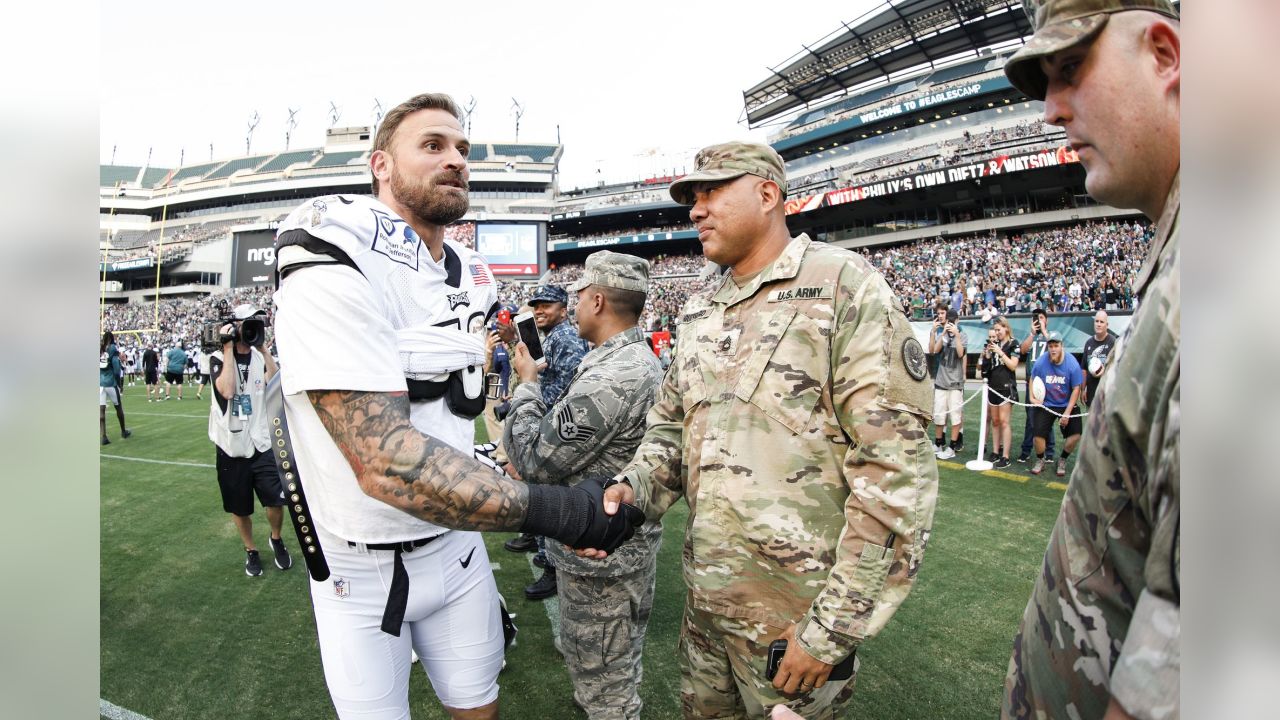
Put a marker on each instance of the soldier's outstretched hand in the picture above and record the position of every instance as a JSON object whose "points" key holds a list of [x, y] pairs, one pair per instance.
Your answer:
{"points": [[616, 494]]}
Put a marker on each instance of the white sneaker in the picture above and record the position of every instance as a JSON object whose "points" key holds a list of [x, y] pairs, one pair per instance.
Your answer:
{"points": [[947, 453]]}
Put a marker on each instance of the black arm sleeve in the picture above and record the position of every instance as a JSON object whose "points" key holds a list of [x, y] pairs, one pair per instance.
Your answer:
{"points": [[575, 515]]}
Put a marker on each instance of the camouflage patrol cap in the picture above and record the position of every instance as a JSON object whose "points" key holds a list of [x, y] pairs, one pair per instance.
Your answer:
{"points": [[616, 270], [1061, 24], [728, 161]]}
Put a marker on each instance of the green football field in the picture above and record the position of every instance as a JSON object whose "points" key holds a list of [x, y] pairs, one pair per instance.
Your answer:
{"points": [[185, 634]]}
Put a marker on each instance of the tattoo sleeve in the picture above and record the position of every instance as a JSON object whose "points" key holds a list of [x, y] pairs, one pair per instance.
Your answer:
{"points": [[416, 473]]}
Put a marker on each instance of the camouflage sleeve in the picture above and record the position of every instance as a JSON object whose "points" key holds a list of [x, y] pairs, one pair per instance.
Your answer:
{"points": [[657, 470], [1145, 679], [549, 446], [1145, 675], [881, 393]]}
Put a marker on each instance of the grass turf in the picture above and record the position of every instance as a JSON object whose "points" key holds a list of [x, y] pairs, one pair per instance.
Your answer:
{"points": [[185, 634]]}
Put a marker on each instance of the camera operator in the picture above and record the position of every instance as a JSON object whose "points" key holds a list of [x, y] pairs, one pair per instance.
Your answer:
{"points": [[238, 428]]}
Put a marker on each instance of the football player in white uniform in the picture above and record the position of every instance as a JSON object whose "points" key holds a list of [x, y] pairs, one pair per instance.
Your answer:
{"points": [[379, 326]]}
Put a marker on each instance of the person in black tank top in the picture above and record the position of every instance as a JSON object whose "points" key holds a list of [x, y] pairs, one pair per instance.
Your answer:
{"points": [[999, 365]]}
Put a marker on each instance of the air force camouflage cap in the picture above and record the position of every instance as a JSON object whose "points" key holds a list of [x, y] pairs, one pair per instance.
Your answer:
{"points": [[1061, 24], [728, 161], [615, 270]]}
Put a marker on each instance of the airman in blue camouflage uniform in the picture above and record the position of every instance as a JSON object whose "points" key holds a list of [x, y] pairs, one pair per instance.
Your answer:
{"points": [[596, 426], [1101, 632], [793, 421]]}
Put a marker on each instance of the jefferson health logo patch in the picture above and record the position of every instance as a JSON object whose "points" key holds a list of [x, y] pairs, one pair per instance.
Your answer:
{"points": [[394, 238]]}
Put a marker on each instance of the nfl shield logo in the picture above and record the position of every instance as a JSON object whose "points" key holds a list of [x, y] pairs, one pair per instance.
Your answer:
{"points": [[341, 587]]}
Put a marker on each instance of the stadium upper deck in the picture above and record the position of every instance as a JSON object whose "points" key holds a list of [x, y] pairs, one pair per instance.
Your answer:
{"points": [[894, 41], [509, 172]]}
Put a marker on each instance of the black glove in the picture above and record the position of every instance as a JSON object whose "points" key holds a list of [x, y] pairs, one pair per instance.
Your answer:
{"points": [[575, 515]]}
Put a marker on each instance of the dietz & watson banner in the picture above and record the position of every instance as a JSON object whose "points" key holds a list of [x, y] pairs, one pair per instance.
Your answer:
{"points": [[1000, 165]]}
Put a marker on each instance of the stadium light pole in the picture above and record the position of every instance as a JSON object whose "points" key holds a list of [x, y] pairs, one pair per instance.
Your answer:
{"points": [[518, 110], [248, 137], [471, 108], [289, 125]]}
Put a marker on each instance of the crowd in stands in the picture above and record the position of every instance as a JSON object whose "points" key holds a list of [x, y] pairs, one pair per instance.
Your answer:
{"points": [[179, 319], [931, 156], [623, 198], [1079, 268], [1083, 267], [622, 232], [186, 234], [463, 233]]}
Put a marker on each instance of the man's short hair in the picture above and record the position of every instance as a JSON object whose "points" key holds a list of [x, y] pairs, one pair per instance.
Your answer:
{"points": [[391, 122], [627, 304]]}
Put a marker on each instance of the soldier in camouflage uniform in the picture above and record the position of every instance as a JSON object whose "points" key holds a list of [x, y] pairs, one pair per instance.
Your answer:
{"points": [[1101, 632], [793, 421], [596, 426]]}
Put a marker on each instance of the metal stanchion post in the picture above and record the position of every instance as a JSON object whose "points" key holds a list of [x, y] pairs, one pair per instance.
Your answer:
{"points": [[981, 464]]}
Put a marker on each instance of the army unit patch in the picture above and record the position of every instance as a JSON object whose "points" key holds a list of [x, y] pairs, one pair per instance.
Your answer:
{"points": [[913, 358]]}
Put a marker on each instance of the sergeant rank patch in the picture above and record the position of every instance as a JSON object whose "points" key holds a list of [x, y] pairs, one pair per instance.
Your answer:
{"points": [[569, 430], [913, 358]]}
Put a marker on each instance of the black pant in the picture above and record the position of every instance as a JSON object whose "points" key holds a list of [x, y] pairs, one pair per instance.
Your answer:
{"points": [[1028, 429]]}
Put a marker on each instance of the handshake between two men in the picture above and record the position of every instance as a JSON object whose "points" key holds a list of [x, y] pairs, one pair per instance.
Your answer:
{"points": [[583, 516]]}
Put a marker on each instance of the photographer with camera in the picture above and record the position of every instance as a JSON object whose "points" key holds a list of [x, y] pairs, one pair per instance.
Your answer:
{"points": [[237, 426], [1032, 347], [946, 342], [999, 364]]}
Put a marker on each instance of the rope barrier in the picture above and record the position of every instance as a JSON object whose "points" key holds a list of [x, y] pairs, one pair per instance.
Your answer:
{"points": [[1014, 400]]}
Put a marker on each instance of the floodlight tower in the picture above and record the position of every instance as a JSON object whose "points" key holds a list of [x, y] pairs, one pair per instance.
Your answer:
{"points": [[335, 112], [248, 136], [377, 114], [471, 108], [518, 110], [289, 125]]}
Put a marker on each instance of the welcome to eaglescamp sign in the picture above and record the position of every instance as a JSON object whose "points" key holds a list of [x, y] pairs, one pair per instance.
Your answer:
{"points": [[999, 165]]}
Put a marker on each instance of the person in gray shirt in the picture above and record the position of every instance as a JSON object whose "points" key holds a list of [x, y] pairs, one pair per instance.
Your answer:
{"points": [[946, 343]]}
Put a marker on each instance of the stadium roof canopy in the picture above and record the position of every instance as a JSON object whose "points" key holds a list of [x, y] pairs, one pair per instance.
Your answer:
{"points": [[902, 35]]}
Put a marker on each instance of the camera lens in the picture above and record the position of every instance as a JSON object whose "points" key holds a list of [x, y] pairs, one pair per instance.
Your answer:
{"points": [[251, 331]]}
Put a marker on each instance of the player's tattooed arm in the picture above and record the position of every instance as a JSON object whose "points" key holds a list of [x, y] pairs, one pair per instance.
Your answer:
{"points": [[419, 474]]}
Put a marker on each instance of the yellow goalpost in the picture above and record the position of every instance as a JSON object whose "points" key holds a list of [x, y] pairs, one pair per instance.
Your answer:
{"points": [[159, 256]]}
